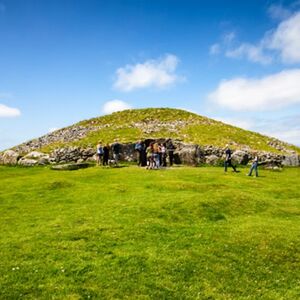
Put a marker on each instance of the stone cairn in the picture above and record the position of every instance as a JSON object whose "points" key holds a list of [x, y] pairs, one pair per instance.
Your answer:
{"points": [[188, 154]]}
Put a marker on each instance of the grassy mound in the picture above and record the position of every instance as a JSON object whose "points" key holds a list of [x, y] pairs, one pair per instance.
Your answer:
{"points": [[129, 233], [131, 125]]}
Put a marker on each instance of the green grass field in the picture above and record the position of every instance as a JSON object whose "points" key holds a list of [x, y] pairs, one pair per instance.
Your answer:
{"points": [[129, 233]]}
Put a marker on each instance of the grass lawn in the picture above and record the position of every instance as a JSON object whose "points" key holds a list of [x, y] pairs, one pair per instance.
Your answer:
{"points": [[129, 233]]}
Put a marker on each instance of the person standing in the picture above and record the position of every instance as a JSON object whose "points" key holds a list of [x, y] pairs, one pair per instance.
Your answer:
{"points": [[105, 155], [156, 155], [163, 154], [99, 153], [143, 154], [170, 150], [228, 162], [116, 149], [138, 148], [254, 166]]}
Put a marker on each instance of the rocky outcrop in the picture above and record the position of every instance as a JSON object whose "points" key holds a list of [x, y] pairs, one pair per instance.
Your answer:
{"points": [[240, 157], [27, 162], [291, 160], [34, 158], [212, 159], [9, 157], [72, 154], [188, 154]]}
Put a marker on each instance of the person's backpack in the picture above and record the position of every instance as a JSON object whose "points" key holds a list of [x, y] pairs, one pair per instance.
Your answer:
{"points": [[100, 150], [138, 147]]}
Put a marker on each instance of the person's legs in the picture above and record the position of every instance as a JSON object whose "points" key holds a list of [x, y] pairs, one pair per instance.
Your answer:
{"points": [[251, 170], [171, 157], [256, 171], [164, 160], [116, 158], [157, 160], [105, 160], [225, 166], [233, 167]]}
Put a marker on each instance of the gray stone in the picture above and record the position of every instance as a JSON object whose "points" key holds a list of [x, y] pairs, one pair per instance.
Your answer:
{"points": [[26, 162], [240, 157], [36, 155], [212, 160], [9, 157], [70, 167], [188, 154], [291, 160]]}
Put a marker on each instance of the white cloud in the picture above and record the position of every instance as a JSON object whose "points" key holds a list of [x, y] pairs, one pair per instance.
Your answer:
{"points": [[156, 72], [284, 128], [283, 41], [291, 136], [114, 105], [267, 93], [214, 49], [251, 52], [8, 112], [278, 12], [286, 39], [229, 37]]}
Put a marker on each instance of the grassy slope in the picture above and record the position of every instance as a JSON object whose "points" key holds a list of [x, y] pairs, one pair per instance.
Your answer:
{"points": [[184, 233], [198, 130]]}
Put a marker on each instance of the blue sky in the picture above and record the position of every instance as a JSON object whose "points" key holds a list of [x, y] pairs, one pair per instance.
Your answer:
{"points": [[64, 61]]}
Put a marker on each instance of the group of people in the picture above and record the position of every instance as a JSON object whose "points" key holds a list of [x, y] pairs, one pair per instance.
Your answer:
{"points": [[228, 163], [153, 155], [103, 153]]}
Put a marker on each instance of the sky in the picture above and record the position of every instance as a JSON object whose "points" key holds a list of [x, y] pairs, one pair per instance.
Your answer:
{"points": [[62, 61]]}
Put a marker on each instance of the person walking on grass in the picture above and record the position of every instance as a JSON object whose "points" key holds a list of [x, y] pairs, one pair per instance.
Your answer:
{"points": [[99, 153], [254, 166], [228, 162]]}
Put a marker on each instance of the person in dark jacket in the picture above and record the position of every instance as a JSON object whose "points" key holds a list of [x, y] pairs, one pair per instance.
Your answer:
{"points": [[105, 155], [139, 149], [116, 150], [228, 162], [170, 150]]}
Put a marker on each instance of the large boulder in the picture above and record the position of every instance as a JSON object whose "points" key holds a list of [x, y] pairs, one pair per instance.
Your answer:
{"points": [[212, 160], [9, 157], [291, 160], [188, 154], [72, 155], [240, 157], [39, 157], [27, 162], [268, 159]]}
